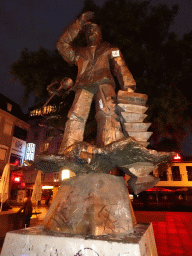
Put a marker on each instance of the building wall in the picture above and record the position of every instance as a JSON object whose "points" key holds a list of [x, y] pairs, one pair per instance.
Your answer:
{"points": [[7, 125], [184, 176], [46, 139]]}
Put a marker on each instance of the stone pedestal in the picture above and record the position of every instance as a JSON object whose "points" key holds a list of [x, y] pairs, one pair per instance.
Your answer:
{"points": [[91, 215], [131, 106], [39, 242], [91, 204]]}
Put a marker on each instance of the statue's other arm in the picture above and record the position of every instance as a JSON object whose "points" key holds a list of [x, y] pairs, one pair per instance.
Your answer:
{"points": [[64, 44], [122, 72]]}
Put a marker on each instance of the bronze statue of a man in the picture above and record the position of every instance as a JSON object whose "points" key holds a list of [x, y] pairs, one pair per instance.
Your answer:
{"points": [[94, 81]]}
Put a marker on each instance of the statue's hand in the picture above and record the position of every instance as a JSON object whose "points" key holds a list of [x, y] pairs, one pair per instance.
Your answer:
{"points": [[86, 16], [66, 83]]}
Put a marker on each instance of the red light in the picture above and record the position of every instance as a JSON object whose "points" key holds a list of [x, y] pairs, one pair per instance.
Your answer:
{"points": [[15, 163], [22, 184], [17, 179], [177, 157]]}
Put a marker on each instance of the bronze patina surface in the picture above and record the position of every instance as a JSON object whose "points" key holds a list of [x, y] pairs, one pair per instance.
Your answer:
{"points": [[94, 81], [127, 154]]}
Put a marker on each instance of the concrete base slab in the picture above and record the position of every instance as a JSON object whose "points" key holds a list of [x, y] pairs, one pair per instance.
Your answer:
{"points": [[38, 242]]}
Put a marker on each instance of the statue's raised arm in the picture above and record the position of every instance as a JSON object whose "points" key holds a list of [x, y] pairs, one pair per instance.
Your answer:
{"points": [[64, 45]]}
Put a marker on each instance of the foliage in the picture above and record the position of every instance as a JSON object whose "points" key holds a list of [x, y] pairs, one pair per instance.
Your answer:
{"points": [[36, 70]]}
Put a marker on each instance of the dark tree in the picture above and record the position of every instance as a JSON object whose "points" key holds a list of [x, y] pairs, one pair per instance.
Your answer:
{"points": [[36, 70]]}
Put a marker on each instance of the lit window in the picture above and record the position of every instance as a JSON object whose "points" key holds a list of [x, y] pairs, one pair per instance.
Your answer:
{"points": [[9, 107], [65, 174], [56, 177], [46, 146]]}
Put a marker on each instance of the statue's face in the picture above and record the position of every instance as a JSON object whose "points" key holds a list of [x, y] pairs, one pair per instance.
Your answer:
{"points": [[93, 34]]}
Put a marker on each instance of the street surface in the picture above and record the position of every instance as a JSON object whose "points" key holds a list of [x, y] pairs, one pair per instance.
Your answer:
{"points": [[172, 230]]}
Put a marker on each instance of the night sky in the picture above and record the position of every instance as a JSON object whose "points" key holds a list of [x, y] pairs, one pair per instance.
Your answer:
{"points": [[39, 23]]}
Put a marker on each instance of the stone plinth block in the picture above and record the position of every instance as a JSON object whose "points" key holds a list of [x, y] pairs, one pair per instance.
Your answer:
{"points": [[38, 242], [131, 108], [132, 98], [133, 117], [91, 204], [142, 183], [141, 136], [140, 168], [136, 127]]}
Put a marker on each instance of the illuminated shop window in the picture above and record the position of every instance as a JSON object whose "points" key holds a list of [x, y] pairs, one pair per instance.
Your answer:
{"points": [[30, 152]]}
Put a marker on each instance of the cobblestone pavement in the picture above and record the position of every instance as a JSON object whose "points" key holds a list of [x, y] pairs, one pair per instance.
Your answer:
{"points": [[172, 230], [174, 235]]}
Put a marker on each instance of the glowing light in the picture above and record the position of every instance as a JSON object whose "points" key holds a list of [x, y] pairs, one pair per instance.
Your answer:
{"points": [[177, 157], [65, 174], [23, 184], [47, 187], [17, 179]]}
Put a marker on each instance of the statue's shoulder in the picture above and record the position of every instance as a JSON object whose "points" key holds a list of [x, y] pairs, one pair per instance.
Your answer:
{"points": [[106, 46], [112, 49]]}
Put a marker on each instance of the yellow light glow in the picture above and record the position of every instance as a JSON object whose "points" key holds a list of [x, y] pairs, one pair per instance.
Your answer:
{"points": [[65, 174], [47, 187]]}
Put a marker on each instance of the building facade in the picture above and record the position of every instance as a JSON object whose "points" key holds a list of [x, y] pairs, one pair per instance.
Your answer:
{"points": [[13, 133]]}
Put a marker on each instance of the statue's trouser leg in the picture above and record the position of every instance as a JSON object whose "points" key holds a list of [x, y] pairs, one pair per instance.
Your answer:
{"points": [[108, 127], [77, 117]]}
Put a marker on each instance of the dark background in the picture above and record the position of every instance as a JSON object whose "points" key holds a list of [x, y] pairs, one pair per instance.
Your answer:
{"points": [[39, 23]]}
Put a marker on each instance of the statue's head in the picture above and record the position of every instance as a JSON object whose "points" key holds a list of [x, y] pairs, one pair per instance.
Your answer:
{"points": [[92, 33]]}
